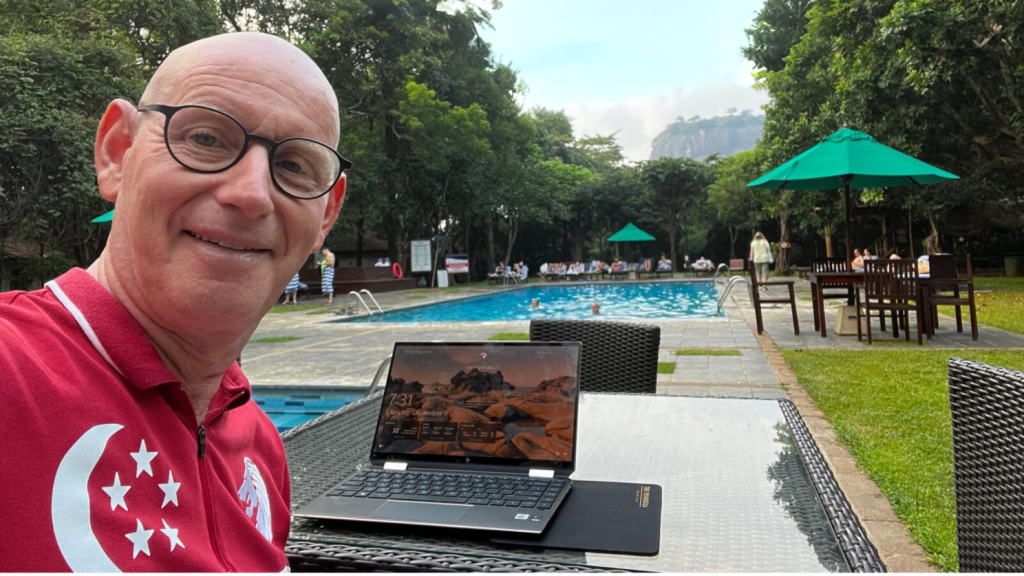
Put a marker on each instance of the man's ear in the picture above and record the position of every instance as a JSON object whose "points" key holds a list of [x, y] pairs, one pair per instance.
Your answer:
{"points": [[334, 200], [113, 139]]}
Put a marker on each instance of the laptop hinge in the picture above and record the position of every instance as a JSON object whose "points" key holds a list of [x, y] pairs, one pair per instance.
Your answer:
{"points": [[395, 465], [535, 473]]}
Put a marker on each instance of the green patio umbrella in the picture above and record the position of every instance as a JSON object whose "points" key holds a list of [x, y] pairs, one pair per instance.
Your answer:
{"points": [[105, 218], [849, 159], [630, 233]]}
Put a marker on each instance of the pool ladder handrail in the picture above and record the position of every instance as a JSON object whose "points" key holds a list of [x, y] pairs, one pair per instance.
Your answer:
{"points": [[718, 272], [728, 288], [372, 299], [361, 301], [376, 377]]}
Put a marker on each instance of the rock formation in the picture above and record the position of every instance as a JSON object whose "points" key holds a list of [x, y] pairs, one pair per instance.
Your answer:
{"points": [[698, 138]]}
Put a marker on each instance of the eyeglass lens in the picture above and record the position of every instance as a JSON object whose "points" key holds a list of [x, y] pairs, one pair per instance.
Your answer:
{"points": [[207, 140]]}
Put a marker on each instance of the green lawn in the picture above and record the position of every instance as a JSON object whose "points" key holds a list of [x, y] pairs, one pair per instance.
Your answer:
{"points": [[277, 339], [510, 336], [666, 367], [1000, 308], [706, 352], [891, 409]]}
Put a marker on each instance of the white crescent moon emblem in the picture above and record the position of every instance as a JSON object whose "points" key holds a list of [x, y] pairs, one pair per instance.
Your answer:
{"points": [[70, 507]]}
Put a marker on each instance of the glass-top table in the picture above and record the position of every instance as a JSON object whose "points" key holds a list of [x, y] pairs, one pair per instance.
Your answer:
{"points": [[744, 489]]}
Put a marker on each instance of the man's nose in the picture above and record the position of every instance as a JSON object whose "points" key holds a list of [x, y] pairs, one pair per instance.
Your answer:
{"points": [[248, 185]]}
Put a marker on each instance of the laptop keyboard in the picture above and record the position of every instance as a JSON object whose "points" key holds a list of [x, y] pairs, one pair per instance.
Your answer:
{"points": [[452, 488]]}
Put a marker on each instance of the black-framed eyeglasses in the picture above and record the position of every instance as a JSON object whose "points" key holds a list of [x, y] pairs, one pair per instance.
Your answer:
{"points": [[207, 140]]}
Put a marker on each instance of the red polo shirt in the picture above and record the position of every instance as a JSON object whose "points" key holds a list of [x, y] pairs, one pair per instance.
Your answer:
{"points": [[103, 467]]}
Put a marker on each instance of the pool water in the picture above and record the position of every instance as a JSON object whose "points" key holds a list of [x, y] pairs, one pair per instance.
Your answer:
{"points": [[618, 301], [288, 409]]}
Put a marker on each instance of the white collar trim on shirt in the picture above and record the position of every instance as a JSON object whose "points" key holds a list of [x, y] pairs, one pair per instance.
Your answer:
{"points": [[82, 322]]}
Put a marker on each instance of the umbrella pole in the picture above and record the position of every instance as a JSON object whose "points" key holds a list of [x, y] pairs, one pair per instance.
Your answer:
{"points": [[849, 251]]}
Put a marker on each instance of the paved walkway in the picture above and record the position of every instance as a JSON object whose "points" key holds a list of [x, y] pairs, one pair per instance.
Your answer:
{"points": [[342, 354]]}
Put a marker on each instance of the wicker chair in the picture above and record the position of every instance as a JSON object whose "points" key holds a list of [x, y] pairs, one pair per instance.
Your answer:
{"points": [[987, 404], [616, 357]]}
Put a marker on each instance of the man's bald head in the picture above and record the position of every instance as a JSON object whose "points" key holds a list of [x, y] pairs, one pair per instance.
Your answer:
{"points": [[260, 55], [198, 252]]}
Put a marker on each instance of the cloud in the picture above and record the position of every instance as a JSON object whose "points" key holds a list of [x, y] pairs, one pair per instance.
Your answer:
{"points": [[639, 120]]}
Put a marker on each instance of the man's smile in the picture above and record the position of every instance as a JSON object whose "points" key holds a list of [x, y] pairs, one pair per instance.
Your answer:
{"points": [[225, 241]]}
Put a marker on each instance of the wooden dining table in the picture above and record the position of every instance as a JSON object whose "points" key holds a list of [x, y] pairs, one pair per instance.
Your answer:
{"points": [[821, 280]]}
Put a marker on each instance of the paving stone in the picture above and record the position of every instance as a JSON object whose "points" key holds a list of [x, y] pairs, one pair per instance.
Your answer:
{"points": [[868, 507], [856, 483], [908, 563], [729, 392], [694, 391], [769, 393], [892, 536]]}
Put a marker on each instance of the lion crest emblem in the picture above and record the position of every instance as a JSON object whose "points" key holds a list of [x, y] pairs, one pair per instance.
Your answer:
{"points": [[253, 493]]}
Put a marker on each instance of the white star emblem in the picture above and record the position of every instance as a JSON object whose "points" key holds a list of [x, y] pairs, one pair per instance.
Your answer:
{"points": [[143, 460], [170, 490], [140, 539], [172, 535], [116, 493]]}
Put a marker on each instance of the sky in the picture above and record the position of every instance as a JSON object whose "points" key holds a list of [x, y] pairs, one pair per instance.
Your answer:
{"points": [[629, 67]]}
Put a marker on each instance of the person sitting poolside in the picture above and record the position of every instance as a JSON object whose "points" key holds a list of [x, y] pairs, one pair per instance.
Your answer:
{"points": [[703, 264], [617, 266], [664, 265], [544, 268], [379, 263]]}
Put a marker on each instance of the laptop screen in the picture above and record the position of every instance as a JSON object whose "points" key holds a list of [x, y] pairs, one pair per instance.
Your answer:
{"points": [[508, 403]]}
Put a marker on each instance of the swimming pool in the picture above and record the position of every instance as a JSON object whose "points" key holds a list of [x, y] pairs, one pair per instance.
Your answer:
{"points": [[289, 408], [618, 301]]}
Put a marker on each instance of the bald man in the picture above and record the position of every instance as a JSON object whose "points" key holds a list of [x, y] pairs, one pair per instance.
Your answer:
{"points": [[129, 441]]}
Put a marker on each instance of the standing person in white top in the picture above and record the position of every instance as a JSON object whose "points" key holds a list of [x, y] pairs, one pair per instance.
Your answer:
{"points": [[761, 256]]}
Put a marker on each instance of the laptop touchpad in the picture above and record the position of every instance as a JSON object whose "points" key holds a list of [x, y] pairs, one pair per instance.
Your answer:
{"points": [[420, 512]]}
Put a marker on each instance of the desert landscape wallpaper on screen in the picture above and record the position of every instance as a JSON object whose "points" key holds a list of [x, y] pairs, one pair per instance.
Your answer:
{"points": [[516, 402]]}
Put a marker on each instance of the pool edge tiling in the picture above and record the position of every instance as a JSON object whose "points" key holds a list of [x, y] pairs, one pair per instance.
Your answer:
{"points": [[618, 301]]}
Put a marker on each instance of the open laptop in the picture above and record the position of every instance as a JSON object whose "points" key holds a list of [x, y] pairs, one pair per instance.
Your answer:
{"points": [[470, 435]]}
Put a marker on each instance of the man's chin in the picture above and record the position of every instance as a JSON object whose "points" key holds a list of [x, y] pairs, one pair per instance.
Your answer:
{"points": [[213, 310]]}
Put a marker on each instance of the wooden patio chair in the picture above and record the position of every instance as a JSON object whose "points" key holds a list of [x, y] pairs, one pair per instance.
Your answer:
{"points": [[826, 265], [737, 265], [891, 286], [944, 290], [758, 300]]}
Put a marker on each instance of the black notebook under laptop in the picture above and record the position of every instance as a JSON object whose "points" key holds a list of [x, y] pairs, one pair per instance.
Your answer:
{"points": [[609, 517]]}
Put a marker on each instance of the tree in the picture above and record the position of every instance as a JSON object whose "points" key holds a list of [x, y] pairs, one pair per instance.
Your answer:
{"points": [[58, 71], [777, 28], [933, 79], [735, 204], [677, 186]]}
